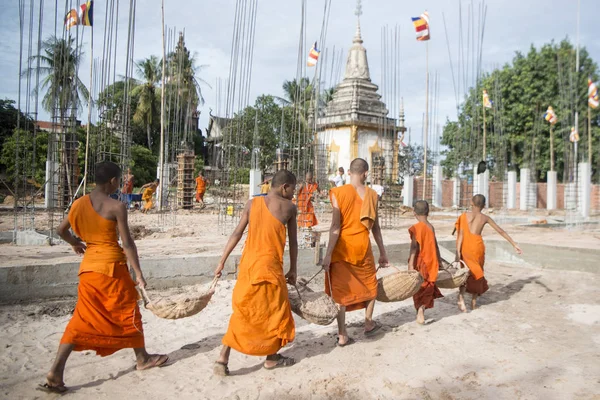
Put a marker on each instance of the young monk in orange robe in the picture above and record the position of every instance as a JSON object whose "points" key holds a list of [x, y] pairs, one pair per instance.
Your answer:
{"points": [[106, 317], [471, 249], [148, 191], [200, 188], [349, 260], [425, 258], [306, 210], [262, 322]]}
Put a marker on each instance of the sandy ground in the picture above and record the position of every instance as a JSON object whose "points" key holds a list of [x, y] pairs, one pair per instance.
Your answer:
{"points": [[536, 336]]}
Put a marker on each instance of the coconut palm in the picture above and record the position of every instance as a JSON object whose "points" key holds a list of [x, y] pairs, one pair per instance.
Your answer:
{"points": [[58, 65], [297, 93], [147, 110]]}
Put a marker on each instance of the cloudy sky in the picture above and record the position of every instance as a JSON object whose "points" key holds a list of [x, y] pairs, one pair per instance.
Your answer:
{"points": [[512, 25]]}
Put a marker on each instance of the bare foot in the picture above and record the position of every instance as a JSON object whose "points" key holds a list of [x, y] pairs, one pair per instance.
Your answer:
{"points": [[342, 340], [421, 316], [473, 304], [54, 380], [278, 361], [461, 305]]}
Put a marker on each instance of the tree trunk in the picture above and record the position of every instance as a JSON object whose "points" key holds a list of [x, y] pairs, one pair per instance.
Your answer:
{"points": [[149, 136]]}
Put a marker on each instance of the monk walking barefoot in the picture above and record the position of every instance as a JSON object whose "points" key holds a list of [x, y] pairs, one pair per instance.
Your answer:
{"points": [[106, 317], [349, 263], [148, 191], [471, 249], [425, 258], [262, 322]]}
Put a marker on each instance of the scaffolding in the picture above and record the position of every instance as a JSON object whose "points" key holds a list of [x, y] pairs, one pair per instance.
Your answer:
{"points": [[185, 179]]}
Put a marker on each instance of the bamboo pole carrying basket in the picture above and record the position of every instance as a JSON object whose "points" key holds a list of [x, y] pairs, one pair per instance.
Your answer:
{"points": [[180, 305], [398, 286]]}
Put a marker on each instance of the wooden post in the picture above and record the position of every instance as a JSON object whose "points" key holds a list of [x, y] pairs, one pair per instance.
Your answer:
{"points": [[161, 161], [551, 147], [484, 133], [589, 135], [89, 121]]}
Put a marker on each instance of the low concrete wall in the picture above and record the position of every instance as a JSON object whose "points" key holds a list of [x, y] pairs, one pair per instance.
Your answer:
{"points": [[34, 283]]}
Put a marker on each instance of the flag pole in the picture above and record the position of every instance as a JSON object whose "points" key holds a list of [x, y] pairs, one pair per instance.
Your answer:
{"points": [[426, 128], [484, 133], [589, 135], [89, 121], [551, 147], [162, 115]]}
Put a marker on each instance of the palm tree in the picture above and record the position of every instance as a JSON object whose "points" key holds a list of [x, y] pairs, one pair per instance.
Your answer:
{"points": [[327, 96], [58, 64], [149, 72], [297, 93]]}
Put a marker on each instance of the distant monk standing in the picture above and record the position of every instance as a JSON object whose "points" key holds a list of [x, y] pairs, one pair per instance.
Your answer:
{"points": [[349, 260], [262, 321], [106, 317], [306, 209], [127, 182], [471, 249], [425, 258], [200, 188]]}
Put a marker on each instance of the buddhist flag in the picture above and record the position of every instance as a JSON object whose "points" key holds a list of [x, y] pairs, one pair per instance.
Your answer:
{"points": [[71, 19], [550, 116], [313, 56], [86, 12], [422, 26], [487, 103], [593, 99], [574, 136]]}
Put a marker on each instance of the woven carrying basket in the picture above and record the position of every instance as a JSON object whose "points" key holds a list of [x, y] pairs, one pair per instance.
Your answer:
{"points": [[398, 286], [453, 277], [180, 305], [315, 307]]}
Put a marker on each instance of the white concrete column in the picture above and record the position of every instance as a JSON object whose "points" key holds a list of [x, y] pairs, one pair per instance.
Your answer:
{"points": [[455, 191], [585, 189], [408, 190], [511, 200], [484, 185], [475, 181], [570, 196], [524, 189], [551, 191], [48, 190], [255, 181], [437, 185]]}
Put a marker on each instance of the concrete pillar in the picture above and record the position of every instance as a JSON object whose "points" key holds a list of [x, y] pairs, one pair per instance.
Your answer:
{"points": [[511, 198], [475, 181], [524, 189], [585, 189], [50, 194], [255, 181], [456, 192], [551, 191], [437, 186], [408, 190]]}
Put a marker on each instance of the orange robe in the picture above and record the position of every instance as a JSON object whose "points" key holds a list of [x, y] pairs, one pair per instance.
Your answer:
{"points": [[147, 197], [200, 189], [127, 186], [262, 321], [427, 264], [473, 254], [106, 317], [306, 210], [352, 270]]}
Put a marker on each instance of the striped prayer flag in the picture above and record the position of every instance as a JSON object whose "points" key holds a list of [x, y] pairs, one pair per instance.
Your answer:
{"points": [[550, 116], [71, 19], [487, 103], [593, 98], [313, 56], [86, 13], [574, 136], [422, 26]]}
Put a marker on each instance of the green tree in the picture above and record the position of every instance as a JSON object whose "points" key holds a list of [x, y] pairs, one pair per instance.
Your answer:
{"points": [[25, 154], [143, 164], [517, 135], [8, 123], [147, 110]]}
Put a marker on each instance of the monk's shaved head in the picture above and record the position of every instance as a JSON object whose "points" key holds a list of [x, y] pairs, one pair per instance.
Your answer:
{"points": [[478, 201], [282, 177], [359, 166], [105, 171], [422, 208]]}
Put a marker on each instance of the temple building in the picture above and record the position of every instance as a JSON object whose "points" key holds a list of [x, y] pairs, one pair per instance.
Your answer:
{"points": [[355, 123]]}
